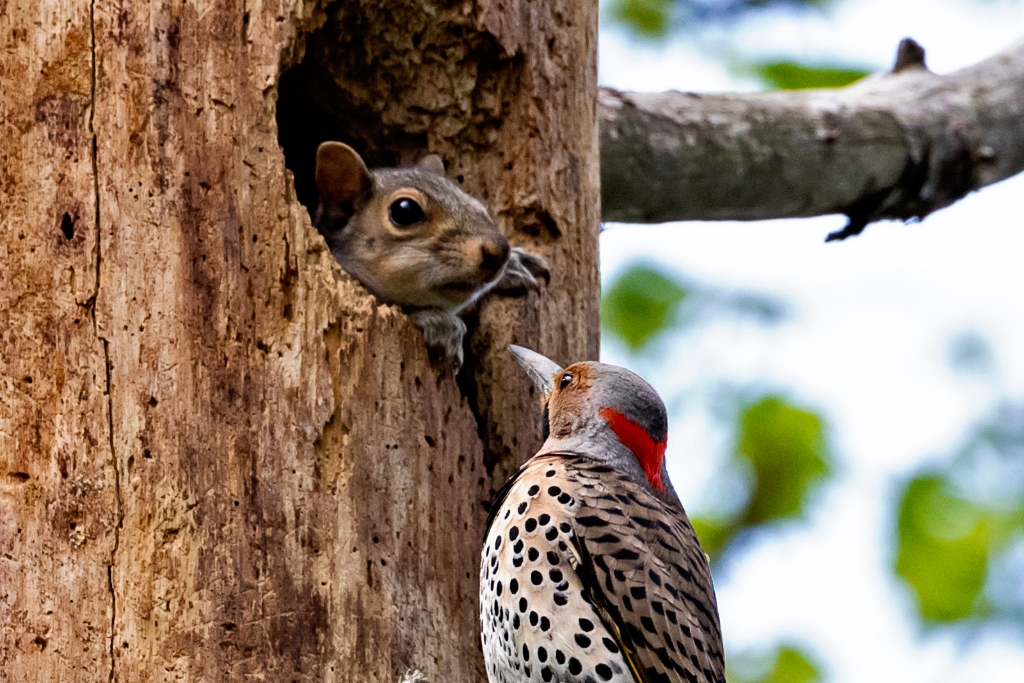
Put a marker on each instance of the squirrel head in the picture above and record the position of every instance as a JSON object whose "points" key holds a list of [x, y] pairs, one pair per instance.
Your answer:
{"points": [[409, 235]]}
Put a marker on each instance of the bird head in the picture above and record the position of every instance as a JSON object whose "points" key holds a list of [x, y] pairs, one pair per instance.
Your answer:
{"points": [[605, 412]]}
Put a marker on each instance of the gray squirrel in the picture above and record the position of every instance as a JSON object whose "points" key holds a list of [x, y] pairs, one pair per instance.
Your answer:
{"points": [[414, 238]]}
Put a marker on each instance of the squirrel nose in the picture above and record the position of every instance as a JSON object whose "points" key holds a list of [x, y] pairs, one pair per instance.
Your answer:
{"points": [[493, 254]]}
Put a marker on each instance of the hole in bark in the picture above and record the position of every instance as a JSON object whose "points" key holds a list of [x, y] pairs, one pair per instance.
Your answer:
{"points": [[313, 108], [67, 226], [440, 83], [20, 476], [444, 89], [41, 642]]}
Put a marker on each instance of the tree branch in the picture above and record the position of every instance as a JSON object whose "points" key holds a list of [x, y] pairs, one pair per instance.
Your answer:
{"points": [[899, 144]]}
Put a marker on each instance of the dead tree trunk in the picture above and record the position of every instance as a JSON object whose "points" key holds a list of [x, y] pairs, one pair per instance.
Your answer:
{"points": [[220, 459]]}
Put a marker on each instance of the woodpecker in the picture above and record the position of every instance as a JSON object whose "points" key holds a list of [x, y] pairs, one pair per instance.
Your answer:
{"points": [[590, 570]]}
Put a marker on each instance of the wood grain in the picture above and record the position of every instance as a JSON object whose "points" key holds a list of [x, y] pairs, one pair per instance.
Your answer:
{"points": [[231, 462]]}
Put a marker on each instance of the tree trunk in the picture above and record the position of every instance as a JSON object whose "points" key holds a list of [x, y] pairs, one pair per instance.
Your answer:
{"points": [[220, 458]]}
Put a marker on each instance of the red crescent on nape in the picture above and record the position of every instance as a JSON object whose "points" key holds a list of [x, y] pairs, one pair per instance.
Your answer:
{"points": [[633, 436]]}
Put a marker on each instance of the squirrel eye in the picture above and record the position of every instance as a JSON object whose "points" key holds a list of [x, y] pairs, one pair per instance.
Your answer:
{"points": [[565, 381], [405, 212]]}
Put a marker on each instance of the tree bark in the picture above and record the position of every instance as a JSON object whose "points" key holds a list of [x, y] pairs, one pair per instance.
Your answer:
{"points": [[900, 144], [220, 458]]}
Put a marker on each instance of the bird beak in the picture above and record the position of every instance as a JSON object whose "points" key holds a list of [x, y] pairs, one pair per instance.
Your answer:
{"points": [[540, 369]]}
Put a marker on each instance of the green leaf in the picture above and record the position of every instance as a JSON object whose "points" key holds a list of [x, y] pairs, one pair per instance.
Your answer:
{"points": [[794, 76], [788, 664], [792, 666], [781, 456], [646, 17], [785, 447], [960, 528], [944, 543], [713, 533], [640, 304]]}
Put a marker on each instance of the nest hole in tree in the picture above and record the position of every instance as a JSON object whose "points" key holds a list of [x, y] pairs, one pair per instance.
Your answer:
{"points": [[440, 85], [314, 106], [311, 109]]}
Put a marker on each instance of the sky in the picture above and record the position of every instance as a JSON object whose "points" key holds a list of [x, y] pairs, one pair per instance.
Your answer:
{"points": [[866, 342]]}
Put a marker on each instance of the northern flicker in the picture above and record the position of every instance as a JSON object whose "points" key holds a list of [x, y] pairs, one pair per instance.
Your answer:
{"points": [[590, 569]]}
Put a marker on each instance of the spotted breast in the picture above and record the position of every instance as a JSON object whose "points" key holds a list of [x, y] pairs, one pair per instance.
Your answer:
{"points": [[578, 566], [590, 570]]}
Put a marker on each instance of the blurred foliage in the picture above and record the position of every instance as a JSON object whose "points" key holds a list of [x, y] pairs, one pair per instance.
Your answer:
{"points": [[970, 352], [655, 18], [714, 532], [645, 302], [793, 76], [642, 303], [785, 447], [762, 309], [644, 17], [782, 455], [786, 664], [944, 546], [959, 528]]}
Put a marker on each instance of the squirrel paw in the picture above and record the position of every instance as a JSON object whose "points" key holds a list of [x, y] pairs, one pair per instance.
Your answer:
{"points": [[442, 330], [522, 273], [413, 677]]}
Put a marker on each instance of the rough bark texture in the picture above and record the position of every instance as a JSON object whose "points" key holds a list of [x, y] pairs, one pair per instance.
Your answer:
{"points": [[896, 145], [220, 459]]}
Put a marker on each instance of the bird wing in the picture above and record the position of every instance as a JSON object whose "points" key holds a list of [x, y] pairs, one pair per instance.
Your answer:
{"points": [[500, 496], [647, 575]]}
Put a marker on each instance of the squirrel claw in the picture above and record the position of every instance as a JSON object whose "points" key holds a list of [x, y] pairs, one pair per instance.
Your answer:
{"points": [[442, 330], [413, 677], [522, 273]]}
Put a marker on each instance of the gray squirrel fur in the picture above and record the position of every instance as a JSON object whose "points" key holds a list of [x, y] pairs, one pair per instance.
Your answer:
{"points": [[435, 267]]}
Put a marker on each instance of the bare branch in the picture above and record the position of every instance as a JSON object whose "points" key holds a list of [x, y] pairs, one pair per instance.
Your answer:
{"points": [[899, 144]]}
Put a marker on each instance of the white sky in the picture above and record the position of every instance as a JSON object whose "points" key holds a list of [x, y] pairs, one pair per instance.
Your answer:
{"points": [[866, 342]]}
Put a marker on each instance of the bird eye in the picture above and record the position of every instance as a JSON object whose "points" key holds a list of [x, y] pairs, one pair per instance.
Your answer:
{"points": [[405, 212], [565, 381]]}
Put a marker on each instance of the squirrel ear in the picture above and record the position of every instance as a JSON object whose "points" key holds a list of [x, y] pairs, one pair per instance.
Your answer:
{"points": [[341, 175], [432, 163]]}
